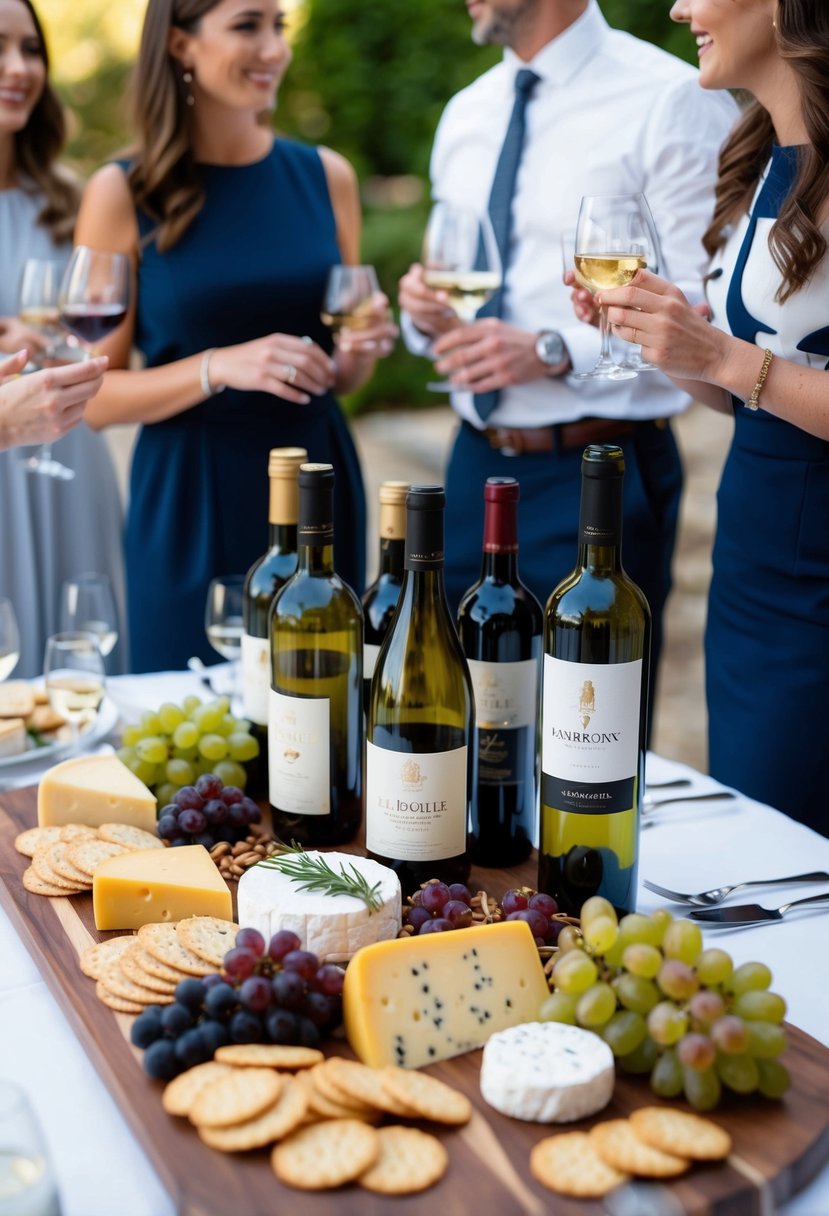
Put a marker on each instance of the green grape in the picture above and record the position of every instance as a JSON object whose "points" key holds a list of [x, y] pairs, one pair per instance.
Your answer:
{"points": [[706, 1007], [575, 972], [208, 717], [765, 1040], [667, 1023], [170, 716], [702, 1089], [594, 908], [186, 735], [596, 1006], [729, 1034], [213, 747], [666, 1076], [749, 977], [222, 703], [760, 1006], [202, 765], [600, 934], [242, 746], [714, 967], [642, 959], [190, 754], [152, 749], [227, 725], [683, 941], [179, 772], [613, 954], [150, 724], [569, 939], [558, 1007], [165, 793], [661, 918], [127, 755], [696, 1051], [191, 703], [642, 1059], [143, 770], [677, 980], [739, 1073], [637, 928], [624, 1032], [636, 994], [230, 773], [773, 1078], [130, 735]]}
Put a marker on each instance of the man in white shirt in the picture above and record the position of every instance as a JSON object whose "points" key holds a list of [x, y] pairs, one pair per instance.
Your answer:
{"points": [[610, 114]]}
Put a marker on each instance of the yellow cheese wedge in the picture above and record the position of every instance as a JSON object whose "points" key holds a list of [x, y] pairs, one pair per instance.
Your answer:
{"points": [[154, 885], [417, 1000], [94, 790]]}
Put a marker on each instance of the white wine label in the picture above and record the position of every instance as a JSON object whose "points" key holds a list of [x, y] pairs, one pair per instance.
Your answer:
{"points": [[370, 653], [416, 804], [590, 735], [299, 757], [256, 678], [505, 693]]}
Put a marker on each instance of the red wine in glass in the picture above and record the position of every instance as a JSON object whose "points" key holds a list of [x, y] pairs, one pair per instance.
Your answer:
{"points": [[91, 323], [94, 294]]}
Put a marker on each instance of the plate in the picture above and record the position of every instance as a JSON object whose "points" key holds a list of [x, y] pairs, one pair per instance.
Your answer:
{"points": [[105, 721]]}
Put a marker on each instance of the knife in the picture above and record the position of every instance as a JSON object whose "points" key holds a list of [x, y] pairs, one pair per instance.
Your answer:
{"points": [[751, 914]]}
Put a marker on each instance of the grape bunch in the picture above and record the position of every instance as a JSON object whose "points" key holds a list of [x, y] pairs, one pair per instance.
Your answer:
{"points": [[206, 813], [667, 1007], [172, 747], [537, 909], [437, 908], [279, 996]]}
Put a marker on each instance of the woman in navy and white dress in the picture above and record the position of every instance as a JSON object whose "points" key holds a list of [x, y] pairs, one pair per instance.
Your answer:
{"points": [[764, 358]]}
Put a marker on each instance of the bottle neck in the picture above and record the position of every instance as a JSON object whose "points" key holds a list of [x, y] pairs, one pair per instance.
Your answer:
{"points": [[500, 548], [282, 538], [315, 530], [316, 558], [392, 557], [600, 524]]}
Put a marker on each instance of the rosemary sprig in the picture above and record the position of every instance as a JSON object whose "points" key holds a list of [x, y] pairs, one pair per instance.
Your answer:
{"points": [[315, 874]]}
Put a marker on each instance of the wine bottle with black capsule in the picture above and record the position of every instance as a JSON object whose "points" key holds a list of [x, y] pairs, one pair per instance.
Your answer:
{"points": [[420, 753], [380, 599], [594, 707], [262, 582], [500, 625], [315, 720]]}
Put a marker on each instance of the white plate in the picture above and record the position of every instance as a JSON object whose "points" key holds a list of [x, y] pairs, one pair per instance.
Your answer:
{"points": [[104, 722]]}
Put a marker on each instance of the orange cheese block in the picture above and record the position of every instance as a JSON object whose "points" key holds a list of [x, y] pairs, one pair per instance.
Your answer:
{"points": [[94, 790], [417, 1000], [155, 885]]}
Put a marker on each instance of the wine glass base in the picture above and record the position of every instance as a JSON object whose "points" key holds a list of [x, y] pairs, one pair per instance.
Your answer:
{"points": [[613, 373], [441, 386], [48, 468], [633, 365]]}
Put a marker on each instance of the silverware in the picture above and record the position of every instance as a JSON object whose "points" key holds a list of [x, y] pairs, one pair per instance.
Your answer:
{"points": [[751, 914], [708, 899], [677, 783], [649, 803]]}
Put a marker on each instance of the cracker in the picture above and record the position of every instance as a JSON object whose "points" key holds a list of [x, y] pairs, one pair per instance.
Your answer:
{"points": [[325, 1107], [44, 719], [130, 964], [570, 1165], [43, 868], [326, 1155], [33, 838], [87, 854], [360, 1084], [130, 837], [237, 1097], [425, 1096], [34, 883], [95, 958], [161, 941], [277, 1121], [677, 1131], [154, 967], [619, 1147], [180, 1094], [207, 937], [77, 831], [269, 1055], [409, 1161], [56, 856], [116, 982], [118, 1003]]}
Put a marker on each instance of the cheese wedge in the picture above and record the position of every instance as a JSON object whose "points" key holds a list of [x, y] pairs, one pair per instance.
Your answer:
{"points": [[417, 1000], [94, 790], [12, 737], [17, 700], [155, 885]]}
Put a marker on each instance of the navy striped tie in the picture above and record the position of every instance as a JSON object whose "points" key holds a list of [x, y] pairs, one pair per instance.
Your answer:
{"points": [[500, 206]]}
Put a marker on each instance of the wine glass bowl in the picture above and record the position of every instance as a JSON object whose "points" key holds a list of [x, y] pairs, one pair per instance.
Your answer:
{"points": [[9, 639], [37, 307], [94, 294], [87, 604], [224, 622], [347, 303], [73, 670]]}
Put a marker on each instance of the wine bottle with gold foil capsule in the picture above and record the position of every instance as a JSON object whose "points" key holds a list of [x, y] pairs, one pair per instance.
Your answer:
{"points": [[315, 720], [263, 580], [500, 625], [380, 599], [594, 707]]}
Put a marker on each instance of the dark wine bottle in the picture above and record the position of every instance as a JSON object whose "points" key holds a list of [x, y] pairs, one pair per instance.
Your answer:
{"points": [[500, 625], [380, 599], [315, 721], [594, 707], [420, 754], [262, 582]]}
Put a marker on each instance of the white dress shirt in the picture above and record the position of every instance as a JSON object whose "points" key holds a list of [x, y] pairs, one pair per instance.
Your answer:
{"points": [[611, 114]]}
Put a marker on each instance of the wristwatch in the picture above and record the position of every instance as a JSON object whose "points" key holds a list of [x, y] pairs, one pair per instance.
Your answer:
{"points": [[550, 348]]}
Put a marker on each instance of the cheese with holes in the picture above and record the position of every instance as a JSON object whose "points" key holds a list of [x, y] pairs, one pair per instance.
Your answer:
{"points": [[418, 1000], [547, 1072], [94, 790], [155, 885], [334, 927]]}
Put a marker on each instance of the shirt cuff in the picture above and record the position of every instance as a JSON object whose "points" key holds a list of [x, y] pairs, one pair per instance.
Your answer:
{"points": [[416, 341], [582, 342]]}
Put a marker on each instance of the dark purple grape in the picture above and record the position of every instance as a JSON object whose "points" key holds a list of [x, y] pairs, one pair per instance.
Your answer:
{"points": [[192, 1048], [170, 809], [145, 1030], [231, 794], [288, 989], [236, 816], [215, 1035], [436, 925], [458, 913], [434, 895], [220, 1001], [167, 827], [238, 964], [245, 1027], [458, 891], [160, 1060], [282, 1026], [538, 923], [329, 979], [418, 916], [204, 839], [189, 798], [553, 930], [191, 993], [545, 904], [318, 1008], [210, 981], [282, 943], [177, 841], [252, 812], [176, 1018], [303, 962], [255, 993], [252, 940], [513, 901], [215, 811], [192, 821], [209, 786], [309, 1035]]}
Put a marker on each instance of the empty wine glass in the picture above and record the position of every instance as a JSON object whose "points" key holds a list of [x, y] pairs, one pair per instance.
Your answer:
{"points": [[27, 1183], [73, 669], [223, 622], [9, 639], [87, 604], [94, 294], [347, 303], [37, 307]]}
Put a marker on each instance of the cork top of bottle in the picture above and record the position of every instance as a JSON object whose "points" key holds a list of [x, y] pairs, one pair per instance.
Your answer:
{"points": [[284, 462], [393, 493], [603, 460]]}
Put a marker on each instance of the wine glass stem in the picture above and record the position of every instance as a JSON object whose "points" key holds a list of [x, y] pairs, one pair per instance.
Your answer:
{"points": [[604, 333]]}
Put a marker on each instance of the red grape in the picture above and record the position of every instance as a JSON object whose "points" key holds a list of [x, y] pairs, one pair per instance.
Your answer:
{"points": [[188, 797], [458, 891], [239, 964], [252, 940], [514, 901], [458, 913], [255, 993], [417, 916], [281, 943], [436, 925], [434, 895], [538, 923], [231, 794], [303, 962], [329, 979], [209, 786], [545, 904]]}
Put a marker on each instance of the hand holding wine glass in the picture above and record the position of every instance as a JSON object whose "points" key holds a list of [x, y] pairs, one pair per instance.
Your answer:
{"points": [[73, 669], [37, 307], [87, 605], [9, 639]]}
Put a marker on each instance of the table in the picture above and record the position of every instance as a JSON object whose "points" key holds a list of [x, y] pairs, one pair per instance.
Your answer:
{"points": [[100, 1167]]}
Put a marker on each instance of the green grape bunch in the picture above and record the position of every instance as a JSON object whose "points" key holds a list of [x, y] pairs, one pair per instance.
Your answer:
{"points": [[668, 1007], [177, 744]]}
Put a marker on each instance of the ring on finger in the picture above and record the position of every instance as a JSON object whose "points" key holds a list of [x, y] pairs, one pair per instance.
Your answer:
{"points": [[289, 374], [635, 339], [306, 340]]}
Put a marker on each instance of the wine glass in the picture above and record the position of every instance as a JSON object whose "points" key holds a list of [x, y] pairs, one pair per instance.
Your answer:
{"points": [[94, 294], [37, 306], [460, 258], [347, 300], [88, 605], [633, 359], [223, 620], [73, 669], [9, 639], [27, 1183]]}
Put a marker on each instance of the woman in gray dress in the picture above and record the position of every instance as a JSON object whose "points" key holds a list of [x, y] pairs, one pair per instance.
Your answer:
{"points": [[50, 529]]}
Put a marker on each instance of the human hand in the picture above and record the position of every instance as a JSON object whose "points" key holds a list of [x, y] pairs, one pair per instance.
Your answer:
{"points": [[377, 333], [584, 303], [488, 354], [430, 310], [14, 336], [282, 364], [44, 405]]}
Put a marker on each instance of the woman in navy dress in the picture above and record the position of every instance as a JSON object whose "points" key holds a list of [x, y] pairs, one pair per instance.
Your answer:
{"points": [[764, 358], [231, 232]]}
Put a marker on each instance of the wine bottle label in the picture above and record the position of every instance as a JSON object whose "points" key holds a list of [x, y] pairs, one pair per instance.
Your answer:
{"points": [[256, 678], [590, 735], [505, 693], [299, 758], [370, 653], [416, 803]]}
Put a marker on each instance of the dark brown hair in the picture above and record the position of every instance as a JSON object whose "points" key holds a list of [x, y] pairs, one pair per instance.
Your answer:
{"points": [[797, 244]]}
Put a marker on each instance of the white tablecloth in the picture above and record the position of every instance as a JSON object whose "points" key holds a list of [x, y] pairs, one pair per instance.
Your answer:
{"points": [[102, 1170]]}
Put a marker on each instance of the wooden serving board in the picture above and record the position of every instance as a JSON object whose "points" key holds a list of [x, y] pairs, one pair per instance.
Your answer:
{"points": [[778, 1146]]}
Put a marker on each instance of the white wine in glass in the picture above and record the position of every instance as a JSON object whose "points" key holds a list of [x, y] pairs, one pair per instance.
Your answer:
{"points": [[224, 622], [9, 639], [87, 604], [347, 303], [73, 669], [37, 306]]}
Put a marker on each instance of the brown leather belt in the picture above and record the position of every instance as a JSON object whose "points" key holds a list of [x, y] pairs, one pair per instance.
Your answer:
{"points": [[562, 436]]}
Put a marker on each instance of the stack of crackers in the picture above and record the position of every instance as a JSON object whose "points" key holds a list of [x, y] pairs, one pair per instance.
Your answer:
{"points": [[23, 708], [655, 1142], [64, 859]]}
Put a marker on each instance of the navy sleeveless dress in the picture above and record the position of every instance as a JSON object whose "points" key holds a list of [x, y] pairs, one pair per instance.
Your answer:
{"points": [[253, 262], [767, 637]]}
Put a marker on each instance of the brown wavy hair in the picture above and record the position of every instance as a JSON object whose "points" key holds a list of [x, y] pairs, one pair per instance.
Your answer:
{"points": [[36, 150], [797, 244]]}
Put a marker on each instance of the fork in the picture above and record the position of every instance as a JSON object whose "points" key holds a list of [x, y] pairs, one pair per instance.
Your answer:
{"points": [[651, 804], [708, 899]]}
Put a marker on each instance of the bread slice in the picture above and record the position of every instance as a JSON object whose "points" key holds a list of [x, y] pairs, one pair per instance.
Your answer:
{"points": [[16, 699], [12, 737]]}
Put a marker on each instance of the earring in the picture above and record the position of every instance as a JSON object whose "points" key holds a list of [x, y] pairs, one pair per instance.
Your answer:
{"points": [[187, 77]]}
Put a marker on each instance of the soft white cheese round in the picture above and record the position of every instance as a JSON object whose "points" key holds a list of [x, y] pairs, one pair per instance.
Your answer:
{"points": [[334, 927], [547, 1072]]}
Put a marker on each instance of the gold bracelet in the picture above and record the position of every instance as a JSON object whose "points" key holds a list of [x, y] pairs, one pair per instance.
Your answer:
{"points": [[753, 402]]}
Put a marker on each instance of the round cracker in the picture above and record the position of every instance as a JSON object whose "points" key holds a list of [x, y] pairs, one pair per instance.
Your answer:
{"points": [[409, 1161], [619, 1147], [207, 937], [87, 854], [154, 967], [425, 1096], [277, 1121], [326, 1155], [130, 964], [358, 1083], [118, 1003], [43, 868], [161, 941], [117, 984], [95, 958], [130, 837], [33, 838], [38, 886], [570, 1164], [77, 831], [57, 857], [268, 1055], [677, 1131], [241, 1095], [180, 1094], [332, 1108]]}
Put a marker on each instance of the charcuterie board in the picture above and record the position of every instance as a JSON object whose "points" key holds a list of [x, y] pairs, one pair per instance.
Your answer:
{"points": [[778, 1146]]}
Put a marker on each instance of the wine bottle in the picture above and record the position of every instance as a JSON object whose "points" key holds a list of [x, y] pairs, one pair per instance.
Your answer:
{"points": [[594, 707], [380, 599], [500, 625], [420, 755], [315, 720], [262, 582]]}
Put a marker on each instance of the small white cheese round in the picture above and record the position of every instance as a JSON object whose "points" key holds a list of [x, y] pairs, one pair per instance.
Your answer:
{"points": [[547, 1072], [333, 927]]}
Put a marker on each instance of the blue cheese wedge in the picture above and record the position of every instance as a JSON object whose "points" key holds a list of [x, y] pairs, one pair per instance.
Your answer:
{"points": [[546, 1072], [334, 927]]}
